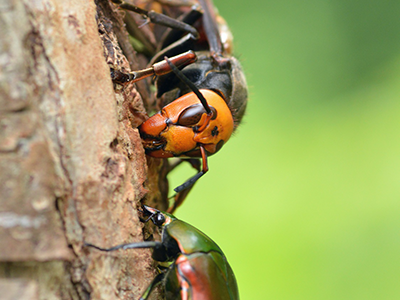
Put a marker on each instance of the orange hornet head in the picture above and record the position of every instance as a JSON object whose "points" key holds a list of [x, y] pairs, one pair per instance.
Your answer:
{"points": [[183, 125]]}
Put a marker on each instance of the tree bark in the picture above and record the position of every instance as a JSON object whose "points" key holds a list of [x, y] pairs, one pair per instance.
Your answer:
{"points": [[72, 165]]}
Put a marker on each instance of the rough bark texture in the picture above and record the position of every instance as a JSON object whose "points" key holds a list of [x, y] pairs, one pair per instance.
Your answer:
{"points": [[72, 166]]}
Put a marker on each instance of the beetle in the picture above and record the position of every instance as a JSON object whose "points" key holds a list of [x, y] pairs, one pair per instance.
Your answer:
{"points": [[199, 269], [205, 99]]}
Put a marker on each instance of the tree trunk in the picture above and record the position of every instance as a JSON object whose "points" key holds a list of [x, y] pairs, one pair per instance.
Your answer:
{"points": [[72, 166]]}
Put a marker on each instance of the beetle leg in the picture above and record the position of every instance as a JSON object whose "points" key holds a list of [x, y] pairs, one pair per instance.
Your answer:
{"points": [[156, 245], [178, 199], [191, 181], [181, 60], [211, 27], [174, 48], [181, 196], [156, 69], [178, 2], [185, 290], [158, 18], [156, 281]]}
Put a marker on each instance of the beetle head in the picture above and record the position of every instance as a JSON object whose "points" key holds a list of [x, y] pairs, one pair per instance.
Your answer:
{"points": [[160, 219]]}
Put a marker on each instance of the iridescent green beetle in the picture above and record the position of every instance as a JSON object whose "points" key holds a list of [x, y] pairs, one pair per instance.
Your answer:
{"points": [[199, 269]]}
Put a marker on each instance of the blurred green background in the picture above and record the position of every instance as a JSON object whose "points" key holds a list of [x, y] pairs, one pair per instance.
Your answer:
{"points": [[304, 199]]}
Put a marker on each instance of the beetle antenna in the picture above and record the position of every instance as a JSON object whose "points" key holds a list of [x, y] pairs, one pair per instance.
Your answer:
{"points": [[190, 84]]}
